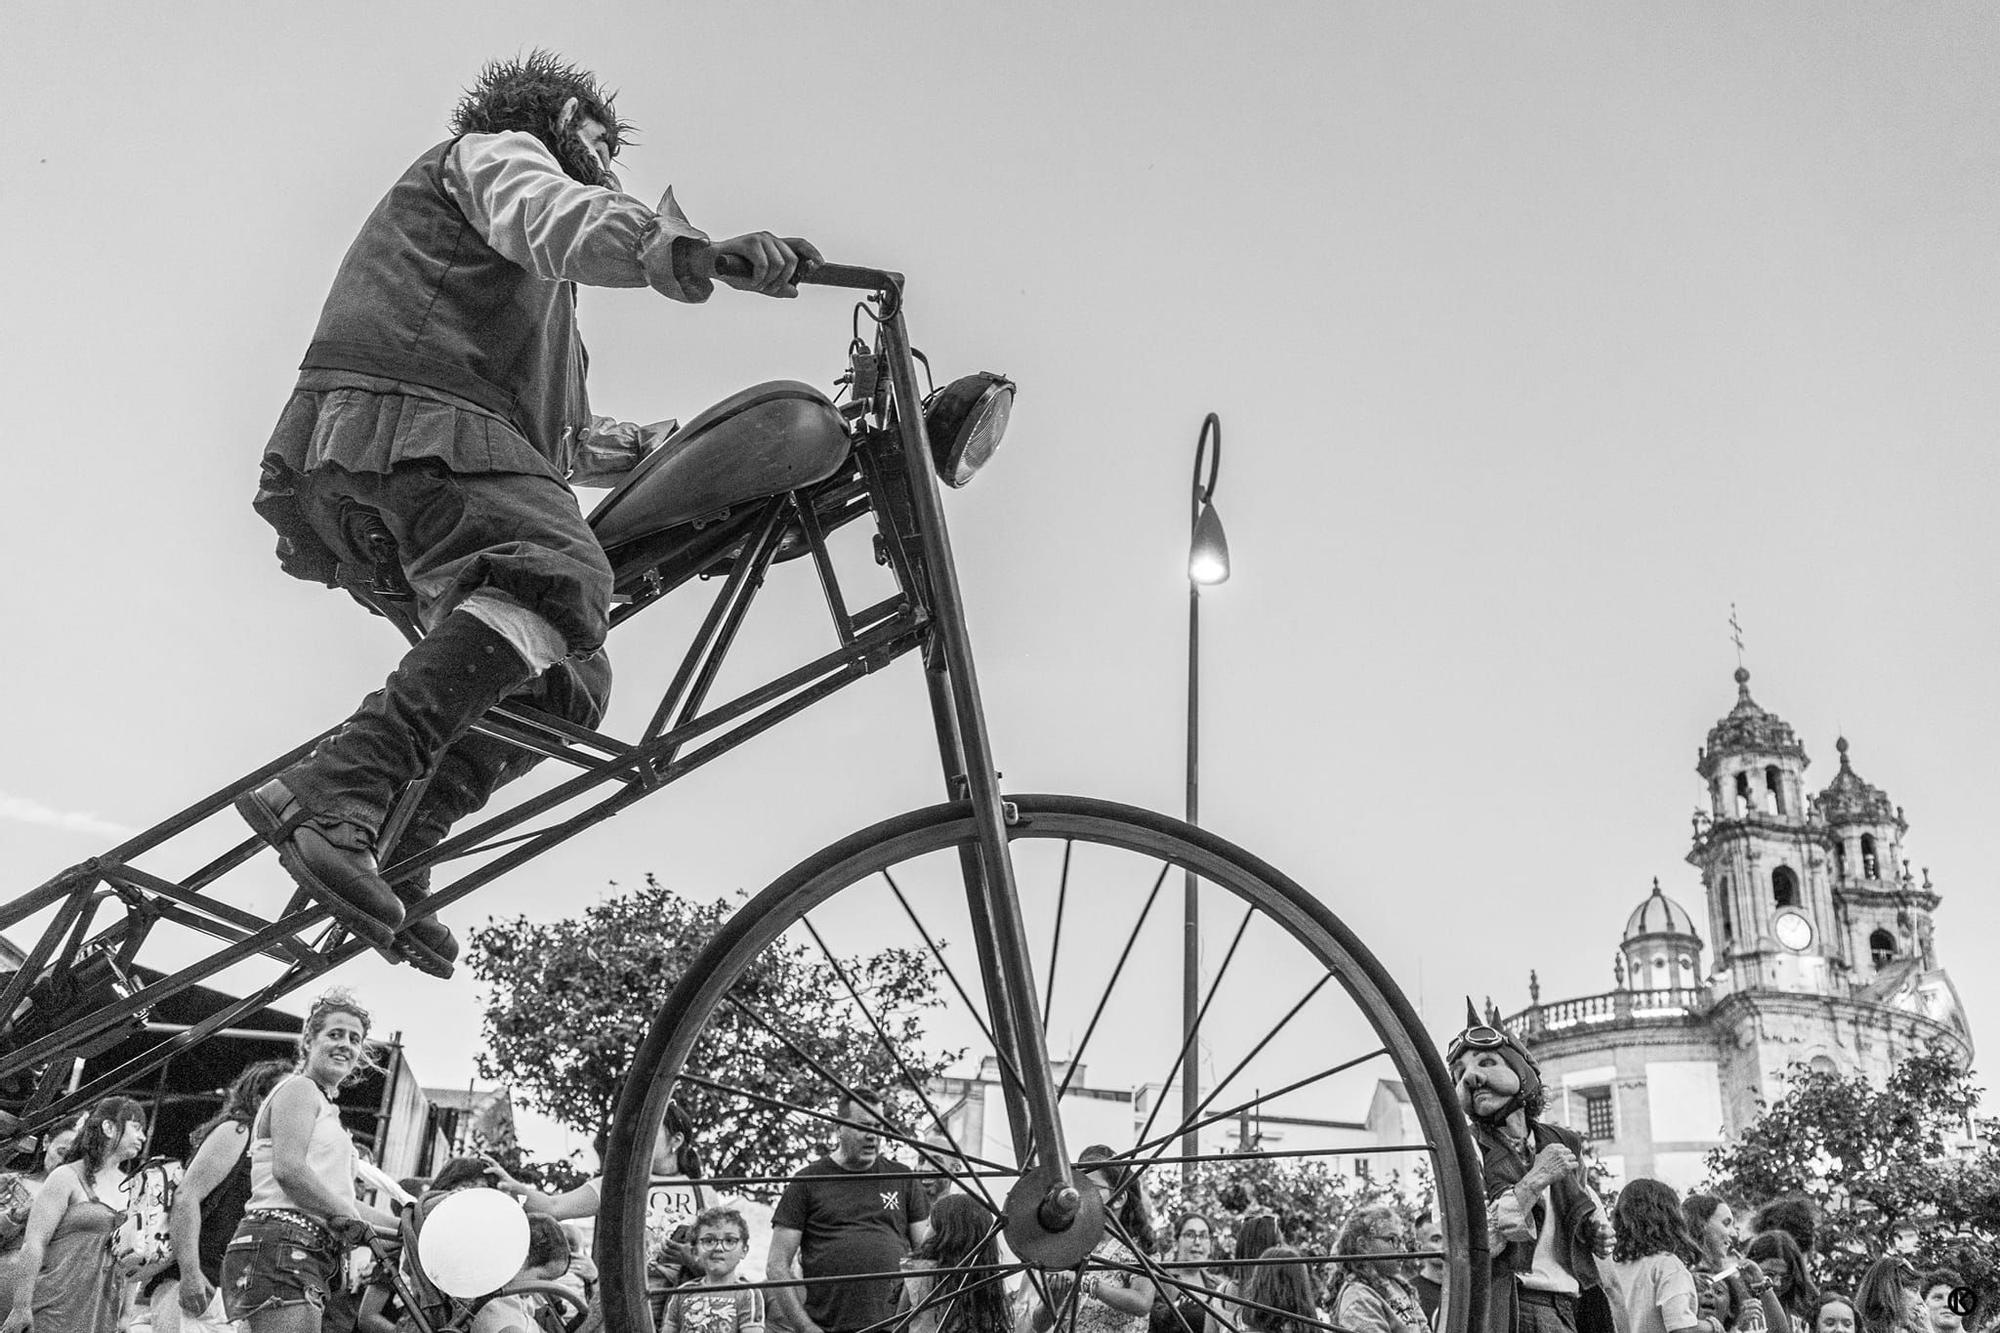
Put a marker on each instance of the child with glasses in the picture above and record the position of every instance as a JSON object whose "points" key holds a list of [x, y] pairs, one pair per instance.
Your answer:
{"points": [[716, 1302]]}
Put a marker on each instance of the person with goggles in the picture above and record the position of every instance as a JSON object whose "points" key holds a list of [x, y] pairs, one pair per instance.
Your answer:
{"points": [[1547, 1226]]}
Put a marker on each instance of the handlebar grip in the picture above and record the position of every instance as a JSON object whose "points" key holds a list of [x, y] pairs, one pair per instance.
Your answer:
{"points": [[819, 275]]}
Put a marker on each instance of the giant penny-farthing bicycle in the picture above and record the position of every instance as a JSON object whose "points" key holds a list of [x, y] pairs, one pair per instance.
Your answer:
{"points": [[1037, 912]]}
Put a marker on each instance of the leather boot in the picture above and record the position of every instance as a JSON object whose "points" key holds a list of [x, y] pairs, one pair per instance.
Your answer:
{"points": [[444, 683], [466, 777], [329, 859]]}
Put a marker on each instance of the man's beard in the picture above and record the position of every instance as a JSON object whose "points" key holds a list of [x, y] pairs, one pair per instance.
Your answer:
{"points": [[577, 161]]}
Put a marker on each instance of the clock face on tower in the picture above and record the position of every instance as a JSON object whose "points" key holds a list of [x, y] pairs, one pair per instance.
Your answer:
{"points": [[1794, 930]]}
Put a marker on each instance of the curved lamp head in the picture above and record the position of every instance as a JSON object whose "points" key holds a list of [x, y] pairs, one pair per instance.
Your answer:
{"points": [[1208, 553]]}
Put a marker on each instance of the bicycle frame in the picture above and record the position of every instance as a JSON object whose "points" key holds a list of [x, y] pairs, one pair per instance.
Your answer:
{"points": [[87, 980]]}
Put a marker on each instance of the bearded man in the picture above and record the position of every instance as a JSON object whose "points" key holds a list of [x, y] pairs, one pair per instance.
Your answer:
{"points": [[1547, 1226], [442, 401]]}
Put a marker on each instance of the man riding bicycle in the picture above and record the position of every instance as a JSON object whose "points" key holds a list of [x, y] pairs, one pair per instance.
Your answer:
{"points": [[441, 404]]}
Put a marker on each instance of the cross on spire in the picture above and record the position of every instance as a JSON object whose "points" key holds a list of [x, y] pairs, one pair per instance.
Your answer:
{"points": [[1736, 634]]}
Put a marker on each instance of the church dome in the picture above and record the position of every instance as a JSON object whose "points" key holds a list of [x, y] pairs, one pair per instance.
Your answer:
{"points": [[1747, 727], [1850, 799], [1660, 915]]}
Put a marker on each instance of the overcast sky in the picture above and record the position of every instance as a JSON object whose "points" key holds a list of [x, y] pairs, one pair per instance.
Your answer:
{"points": [[1540, 334]]}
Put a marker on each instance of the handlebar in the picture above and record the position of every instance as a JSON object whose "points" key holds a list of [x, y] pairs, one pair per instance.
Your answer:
{"points": [[821, 275]]}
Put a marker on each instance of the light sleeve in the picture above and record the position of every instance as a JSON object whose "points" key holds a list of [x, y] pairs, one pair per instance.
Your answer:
{"points": [[602, 450], [1508, 1219], [1676, 1297], [524, 205]]}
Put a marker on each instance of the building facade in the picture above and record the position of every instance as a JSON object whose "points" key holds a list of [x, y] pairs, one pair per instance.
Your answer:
{"points": [[1820, 951]]}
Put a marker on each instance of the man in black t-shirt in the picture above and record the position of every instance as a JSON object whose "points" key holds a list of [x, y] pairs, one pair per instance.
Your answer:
{"points": [[838, 1216]]}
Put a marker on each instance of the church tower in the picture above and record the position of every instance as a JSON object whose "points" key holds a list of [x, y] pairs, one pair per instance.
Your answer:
{"points": [[1765, 862]]}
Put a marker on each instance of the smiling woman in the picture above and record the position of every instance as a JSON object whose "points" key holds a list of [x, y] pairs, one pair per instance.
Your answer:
{"points": [[302, 1215]]}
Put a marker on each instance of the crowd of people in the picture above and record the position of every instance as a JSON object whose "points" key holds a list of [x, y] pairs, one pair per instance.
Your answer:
{"points": [[277, 1226]]}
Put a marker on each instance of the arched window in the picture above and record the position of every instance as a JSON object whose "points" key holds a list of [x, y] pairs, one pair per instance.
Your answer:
{"points": [[1840, 859], [1728, 922], [1882, 947], [1871, 866], [1784, 887], [1776, 787], [1745, 802]]}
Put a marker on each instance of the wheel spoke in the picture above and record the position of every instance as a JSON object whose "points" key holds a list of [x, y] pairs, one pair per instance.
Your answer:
{"points": [[1076, 1057], [936, 952], [909, 1076], [1194, 1033], [846, 1090], [1055, 941]]}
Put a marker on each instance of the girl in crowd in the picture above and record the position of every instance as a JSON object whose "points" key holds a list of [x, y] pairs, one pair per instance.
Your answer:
{"points": [[19, 1189], [302, 1216], [69, 1283], [1115, 1297], [1650, 1277], [1779, 1256], [1281, 1296], [1744, 1299], [209, 1203], [1180, 1311], [1374, 1295], [1833, 1314], [1887, 1299], [966, 1297]]}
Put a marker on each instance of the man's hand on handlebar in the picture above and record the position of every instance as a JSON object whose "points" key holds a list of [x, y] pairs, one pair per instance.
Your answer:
{"points": [[772, 262]]}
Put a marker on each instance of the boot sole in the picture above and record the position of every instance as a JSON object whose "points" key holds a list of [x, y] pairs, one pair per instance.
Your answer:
{"points": [[266, 824], [404, 949]]}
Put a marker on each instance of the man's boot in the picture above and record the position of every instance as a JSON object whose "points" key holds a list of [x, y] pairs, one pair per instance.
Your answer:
{"points": [[466, 777], [323, 813]]}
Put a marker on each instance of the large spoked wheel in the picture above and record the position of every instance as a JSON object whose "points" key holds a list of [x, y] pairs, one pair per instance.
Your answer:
{"points": [[1317, 1089]]}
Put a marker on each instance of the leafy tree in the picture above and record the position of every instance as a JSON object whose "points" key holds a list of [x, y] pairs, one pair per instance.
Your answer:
{"points": [[1878, 1164], [570, 1001]]}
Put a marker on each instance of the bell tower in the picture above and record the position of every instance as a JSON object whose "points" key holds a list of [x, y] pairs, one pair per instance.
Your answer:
{"points": [[1883, 913], [1764, 858]]}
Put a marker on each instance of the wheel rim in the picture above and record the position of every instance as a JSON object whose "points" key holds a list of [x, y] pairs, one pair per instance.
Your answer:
{"points": [[1099, 873]]}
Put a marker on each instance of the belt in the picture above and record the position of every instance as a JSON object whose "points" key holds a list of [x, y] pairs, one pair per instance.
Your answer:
{"points": [[304, 1227], [1535, 1296]]}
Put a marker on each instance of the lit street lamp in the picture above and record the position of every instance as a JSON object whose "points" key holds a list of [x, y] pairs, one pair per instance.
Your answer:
{"points": [[1208, 563]]}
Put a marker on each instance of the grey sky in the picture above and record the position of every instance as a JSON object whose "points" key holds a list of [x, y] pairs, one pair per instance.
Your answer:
{"points": [[1540, 335]]}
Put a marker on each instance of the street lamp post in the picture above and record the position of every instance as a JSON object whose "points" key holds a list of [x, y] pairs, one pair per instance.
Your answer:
{"points": [[1208, 563]]}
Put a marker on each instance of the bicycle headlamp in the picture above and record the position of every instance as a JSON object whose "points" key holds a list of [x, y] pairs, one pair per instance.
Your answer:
{"points": [[965, 420]]}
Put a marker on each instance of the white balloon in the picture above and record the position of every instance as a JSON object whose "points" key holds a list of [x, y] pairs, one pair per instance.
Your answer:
{"points": [[473, 1242]]}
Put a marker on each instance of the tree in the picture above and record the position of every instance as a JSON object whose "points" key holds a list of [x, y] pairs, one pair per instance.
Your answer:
{"points": [[570, 1001], [1878, 1164]]}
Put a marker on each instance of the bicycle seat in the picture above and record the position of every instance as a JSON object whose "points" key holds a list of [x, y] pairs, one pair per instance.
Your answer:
{"points": [[767, 439]]}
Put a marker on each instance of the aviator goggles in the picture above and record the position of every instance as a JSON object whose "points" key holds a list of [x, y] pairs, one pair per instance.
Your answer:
{"points": [[1477, 1038]]}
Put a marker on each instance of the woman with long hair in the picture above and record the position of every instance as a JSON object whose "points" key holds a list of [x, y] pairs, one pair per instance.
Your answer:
{"points": [[1887, 1299], [69, 1282], [18, 1190], [1114, 1296], [1179, 1310], [1777, 1253], [1649, 1278], [1737, 1286], [1374, 1296], [1280, 1296], [953, 1284], [302, 1217], [208, 1204]]}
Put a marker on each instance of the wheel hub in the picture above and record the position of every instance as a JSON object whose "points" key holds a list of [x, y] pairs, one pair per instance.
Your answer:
{"points": [[1036, 1210]]}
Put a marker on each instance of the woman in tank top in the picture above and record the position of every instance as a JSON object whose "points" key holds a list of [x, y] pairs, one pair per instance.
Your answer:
{"points": [[208, 1204], [69, 1281], [302, 1216]]}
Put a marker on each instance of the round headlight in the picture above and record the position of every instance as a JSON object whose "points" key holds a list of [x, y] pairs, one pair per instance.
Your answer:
{"points": [[965, 420]]}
